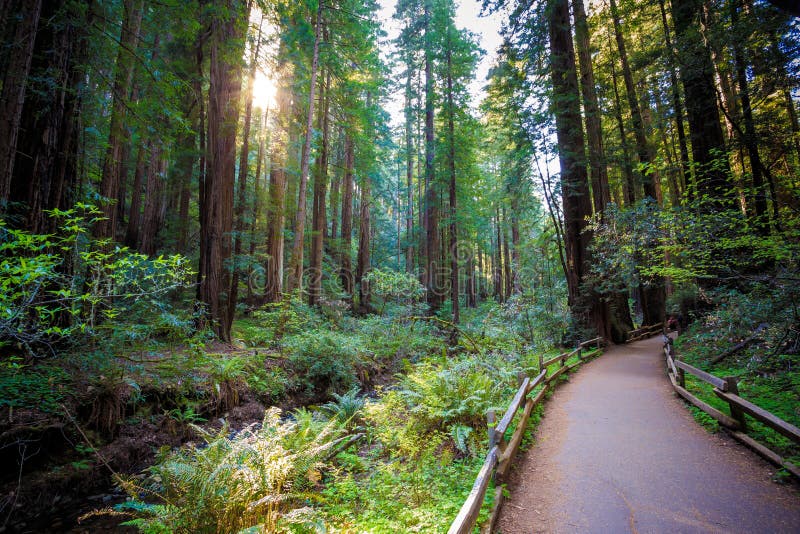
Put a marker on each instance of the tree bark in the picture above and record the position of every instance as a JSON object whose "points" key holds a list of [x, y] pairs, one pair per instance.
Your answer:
{"points": [[244, 158], [574, 180], [154, 202], [677, 104], [226, 48], [296, 264], [432, 266], [597, 165], [276, 212], [713, 184], [346, 272], [123, 75], [319, 216], [363, 258], [14, 84], [642, 147]]}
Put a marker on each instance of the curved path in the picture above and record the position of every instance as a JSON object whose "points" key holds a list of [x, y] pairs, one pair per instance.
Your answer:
{"points": [[618, 452]]}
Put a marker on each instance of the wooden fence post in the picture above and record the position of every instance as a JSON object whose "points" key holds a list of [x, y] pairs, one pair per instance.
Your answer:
{"points": [[541, 363], [732, 384], [491, 421]]}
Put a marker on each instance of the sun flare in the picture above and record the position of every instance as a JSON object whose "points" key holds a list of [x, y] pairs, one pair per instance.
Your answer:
{"points": [[263, 91]]}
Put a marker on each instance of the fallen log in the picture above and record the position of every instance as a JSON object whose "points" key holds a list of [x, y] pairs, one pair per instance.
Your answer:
{"points": [[739, 346]]}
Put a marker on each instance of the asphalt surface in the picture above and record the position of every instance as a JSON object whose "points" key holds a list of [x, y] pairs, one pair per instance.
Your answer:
{"points": [[618, 452]]}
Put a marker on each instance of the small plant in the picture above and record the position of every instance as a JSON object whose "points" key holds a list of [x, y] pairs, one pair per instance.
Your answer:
{"points": [[258, 480], [345, 408]]}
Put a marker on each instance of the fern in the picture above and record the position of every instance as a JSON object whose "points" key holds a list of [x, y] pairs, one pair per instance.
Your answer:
{"points": [[259, 479]]}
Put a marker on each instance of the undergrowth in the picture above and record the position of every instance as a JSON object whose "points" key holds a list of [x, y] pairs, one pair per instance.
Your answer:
{"points": [[767, 369]]}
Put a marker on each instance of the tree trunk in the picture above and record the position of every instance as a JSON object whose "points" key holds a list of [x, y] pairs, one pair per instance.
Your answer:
{"points": [[346, 272], [135, 215], [432, 266], [409, 116], [697, 73], [256, 212], [363, 260], [14, 84], [49, 124], [123, 75], [677, 104], [642, 147], [574, 181], [594, 131], [761, 220], [153, 216], [244, 158], [276, 211], [628, 182], [451, 132], [319, 217], [296, 264], [225, 43]]}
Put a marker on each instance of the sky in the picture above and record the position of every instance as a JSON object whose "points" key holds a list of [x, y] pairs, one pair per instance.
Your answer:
{"points": [[467, 16]]}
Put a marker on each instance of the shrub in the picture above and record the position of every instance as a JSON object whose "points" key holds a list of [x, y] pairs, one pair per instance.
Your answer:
{"points": [[258, 480], [323, 361]]}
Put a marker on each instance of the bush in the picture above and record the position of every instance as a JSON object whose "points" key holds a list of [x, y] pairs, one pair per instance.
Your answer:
{"points": [[258, 480], [63, 286], [324, 362]]}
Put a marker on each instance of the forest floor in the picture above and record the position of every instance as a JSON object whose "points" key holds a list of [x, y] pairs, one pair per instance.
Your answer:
{"points": [[617, 451]]}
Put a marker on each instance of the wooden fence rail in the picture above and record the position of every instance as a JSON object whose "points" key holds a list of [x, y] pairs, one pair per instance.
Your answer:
{"points": [[727, 389], [644, 332], [502, 451]]}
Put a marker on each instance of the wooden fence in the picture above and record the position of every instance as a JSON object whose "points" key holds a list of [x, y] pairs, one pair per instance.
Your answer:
{"points": [[727, 389], [644, 332], [502, 451]]}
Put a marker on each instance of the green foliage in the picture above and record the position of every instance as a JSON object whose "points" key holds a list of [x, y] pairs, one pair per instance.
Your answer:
{"points": [[394, 285], [67, 285], [42, 388], [259, 479], [323, 361], [346, 408]]}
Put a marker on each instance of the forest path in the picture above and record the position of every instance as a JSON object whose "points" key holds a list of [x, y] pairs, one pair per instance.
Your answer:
{"points": [[618, 452]]}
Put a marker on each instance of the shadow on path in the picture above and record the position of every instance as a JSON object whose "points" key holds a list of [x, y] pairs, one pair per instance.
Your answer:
{"points": [[618, 452]]}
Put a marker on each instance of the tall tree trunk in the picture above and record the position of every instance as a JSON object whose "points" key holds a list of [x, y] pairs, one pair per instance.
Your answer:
{"points": [[296, 264], [244, 158], [451, 132], [319, 216], [276, 212], [507, 271], [346, 266], [628, 182], [594, 131], [516, 285], [697, 74], [677, 104], [497, 261], [761, 221], [409, 116], [363, 259], [226, 42], [134, 215], [123, 75], [256, 212], [14, 84], [642, 147], [49, 124], [152, 218], [432, 267], [335, 196], [574, 181]]}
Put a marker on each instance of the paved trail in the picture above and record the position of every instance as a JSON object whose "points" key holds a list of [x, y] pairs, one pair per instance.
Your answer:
{"points": [[618, 452]]}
